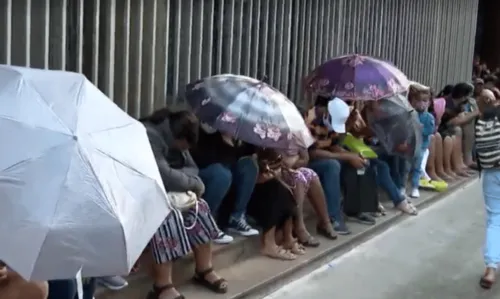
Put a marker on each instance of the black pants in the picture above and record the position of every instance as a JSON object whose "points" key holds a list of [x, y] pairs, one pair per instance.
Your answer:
{"points": [[67, 289], [360, 190]]}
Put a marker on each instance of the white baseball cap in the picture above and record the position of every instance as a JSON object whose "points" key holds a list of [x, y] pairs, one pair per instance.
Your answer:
{"points": [[339, 113]]}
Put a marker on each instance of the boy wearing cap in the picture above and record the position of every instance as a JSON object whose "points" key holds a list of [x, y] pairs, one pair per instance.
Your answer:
{"points": [[327, 119]]}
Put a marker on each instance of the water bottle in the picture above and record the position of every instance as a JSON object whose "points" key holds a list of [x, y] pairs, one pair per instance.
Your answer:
{"points": [[362, 171]]}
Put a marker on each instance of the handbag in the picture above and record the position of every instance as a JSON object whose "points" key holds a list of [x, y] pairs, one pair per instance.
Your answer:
{"points": [[184, 201]]}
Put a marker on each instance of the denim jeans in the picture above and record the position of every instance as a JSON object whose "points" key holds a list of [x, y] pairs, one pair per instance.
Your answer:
{"points": [[398, 169], [385, 181], [68, 289], [491, 194], [328, 171], [218, 179], [416, 170]]}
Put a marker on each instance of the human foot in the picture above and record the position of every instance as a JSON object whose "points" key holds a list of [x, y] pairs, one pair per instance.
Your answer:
{"points": [[164, 292], [305, 239], [488, 279], [407, 208], [210, 280], [295, 248], [327, 231], [279, 253]]}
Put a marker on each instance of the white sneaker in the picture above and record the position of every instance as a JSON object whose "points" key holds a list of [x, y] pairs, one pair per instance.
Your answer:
{"points": [[402, 191], [415, 193], [222, 239]]}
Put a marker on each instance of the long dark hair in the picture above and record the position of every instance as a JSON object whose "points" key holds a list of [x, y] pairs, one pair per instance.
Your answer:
{"points": [[445, 91], [183, 124]]}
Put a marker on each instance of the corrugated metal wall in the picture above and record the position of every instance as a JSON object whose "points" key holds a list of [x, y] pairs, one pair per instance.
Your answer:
{"points": [[142, 52]]}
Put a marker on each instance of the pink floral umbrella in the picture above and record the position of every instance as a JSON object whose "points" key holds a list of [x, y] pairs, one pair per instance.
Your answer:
{"points": [[249, 110], [357, 77]]}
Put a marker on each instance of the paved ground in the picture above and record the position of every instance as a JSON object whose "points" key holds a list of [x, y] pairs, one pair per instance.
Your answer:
{"points": [[436, 255]]}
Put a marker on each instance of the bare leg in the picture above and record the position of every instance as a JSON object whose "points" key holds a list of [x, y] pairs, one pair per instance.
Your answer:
{"points": [[299, 193], [431, 161], [318, 202], [457, 157], [468, 143], [162, 276], [271, 249], [203, 264], [447, 153], [289, 241]]}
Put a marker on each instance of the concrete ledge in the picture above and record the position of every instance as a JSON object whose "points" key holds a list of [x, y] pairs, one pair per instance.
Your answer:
{"points": [[250, 274]]}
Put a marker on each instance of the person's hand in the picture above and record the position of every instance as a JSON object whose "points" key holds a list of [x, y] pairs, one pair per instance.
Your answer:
{"points": [[3, 272], [402, 148], [356, 161]]}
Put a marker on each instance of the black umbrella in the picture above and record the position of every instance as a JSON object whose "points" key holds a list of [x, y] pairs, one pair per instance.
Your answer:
{"points": [[396, 125]]}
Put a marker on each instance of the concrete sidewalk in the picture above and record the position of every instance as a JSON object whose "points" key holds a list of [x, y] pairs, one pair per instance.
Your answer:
{"points": [[251, 275], [437, 255]]}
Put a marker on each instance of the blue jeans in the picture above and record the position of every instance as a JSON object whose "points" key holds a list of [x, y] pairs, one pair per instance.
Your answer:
{"points": [[385, 181], [416, 170], [398, 169], [328, 171], [218, 179], [491, 193], [67, 289]]}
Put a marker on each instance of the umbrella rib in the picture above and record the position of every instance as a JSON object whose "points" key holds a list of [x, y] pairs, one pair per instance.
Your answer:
{"points": [[50, 108], [120, 162], [53, 214], [36, 127], [24, 161]]}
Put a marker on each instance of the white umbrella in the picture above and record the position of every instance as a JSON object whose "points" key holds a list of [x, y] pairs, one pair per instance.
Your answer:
{"points": [[79, 186]]}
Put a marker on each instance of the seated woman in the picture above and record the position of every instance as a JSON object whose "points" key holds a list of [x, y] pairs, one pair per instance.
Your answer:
{"points": [[306, 185], [273, 207], [224, 162], [438, 166], [452, 121], [171, 135], [13, 286]]}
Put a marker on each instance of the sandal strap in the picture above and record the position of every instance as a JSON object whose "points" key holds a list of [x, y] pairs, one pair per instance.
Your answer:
{"points": [[204, 273], [160, 289]]}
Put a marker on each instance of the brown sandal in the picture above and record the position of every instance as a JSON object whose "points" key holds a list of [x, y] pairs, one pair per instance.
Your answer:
{"points": [[155, 293], [219, 286], [279, 253], [309, 241]]}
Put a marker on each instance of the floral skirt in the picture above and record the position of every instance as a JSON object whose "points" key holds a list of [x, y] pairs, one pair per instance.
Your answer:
{"points": [[301, 175], [172, 240]]}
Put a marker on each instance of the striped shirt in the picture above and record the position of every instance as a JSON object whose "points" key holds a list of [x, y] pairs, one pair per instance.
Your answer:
{"points": [[488, 143]]}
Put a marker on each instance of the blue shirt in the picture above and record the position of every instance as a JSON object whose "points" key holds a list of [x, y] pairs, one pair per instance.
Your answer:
{"points": [[428, 125]]}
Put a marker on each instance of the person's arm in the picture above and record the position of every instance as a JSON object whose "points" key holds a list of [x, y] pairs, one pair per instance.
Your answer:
{"points": [[463, 118], [176, 180], [303, 159], [429, 125], [190, 167], [316, 153]]}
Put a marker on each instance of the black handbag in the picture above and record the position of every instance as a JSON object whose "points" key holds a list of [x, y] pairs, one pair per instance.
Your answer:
{"points": [[360, 190]]}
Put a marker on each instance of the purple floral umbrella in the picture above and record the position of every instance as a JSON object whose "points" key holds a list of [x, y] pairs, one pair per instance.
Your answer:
{"points": [[357, 77], [249, 110]]}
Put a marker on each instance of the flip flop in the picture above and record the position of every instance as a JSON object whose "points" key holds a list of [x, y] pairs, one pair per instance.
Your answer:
{"points": [[280, 254], [310, 241]]}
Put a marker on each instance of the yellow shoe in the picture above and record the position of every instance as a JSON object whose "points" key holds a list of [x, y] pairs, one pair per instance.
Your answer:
{"points": [[423, 183], [439, 186]]}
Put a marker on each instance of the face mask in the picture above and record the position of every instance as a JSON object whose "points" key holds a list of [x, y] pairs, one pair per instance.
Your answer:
{"points": [[421, 106]]}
